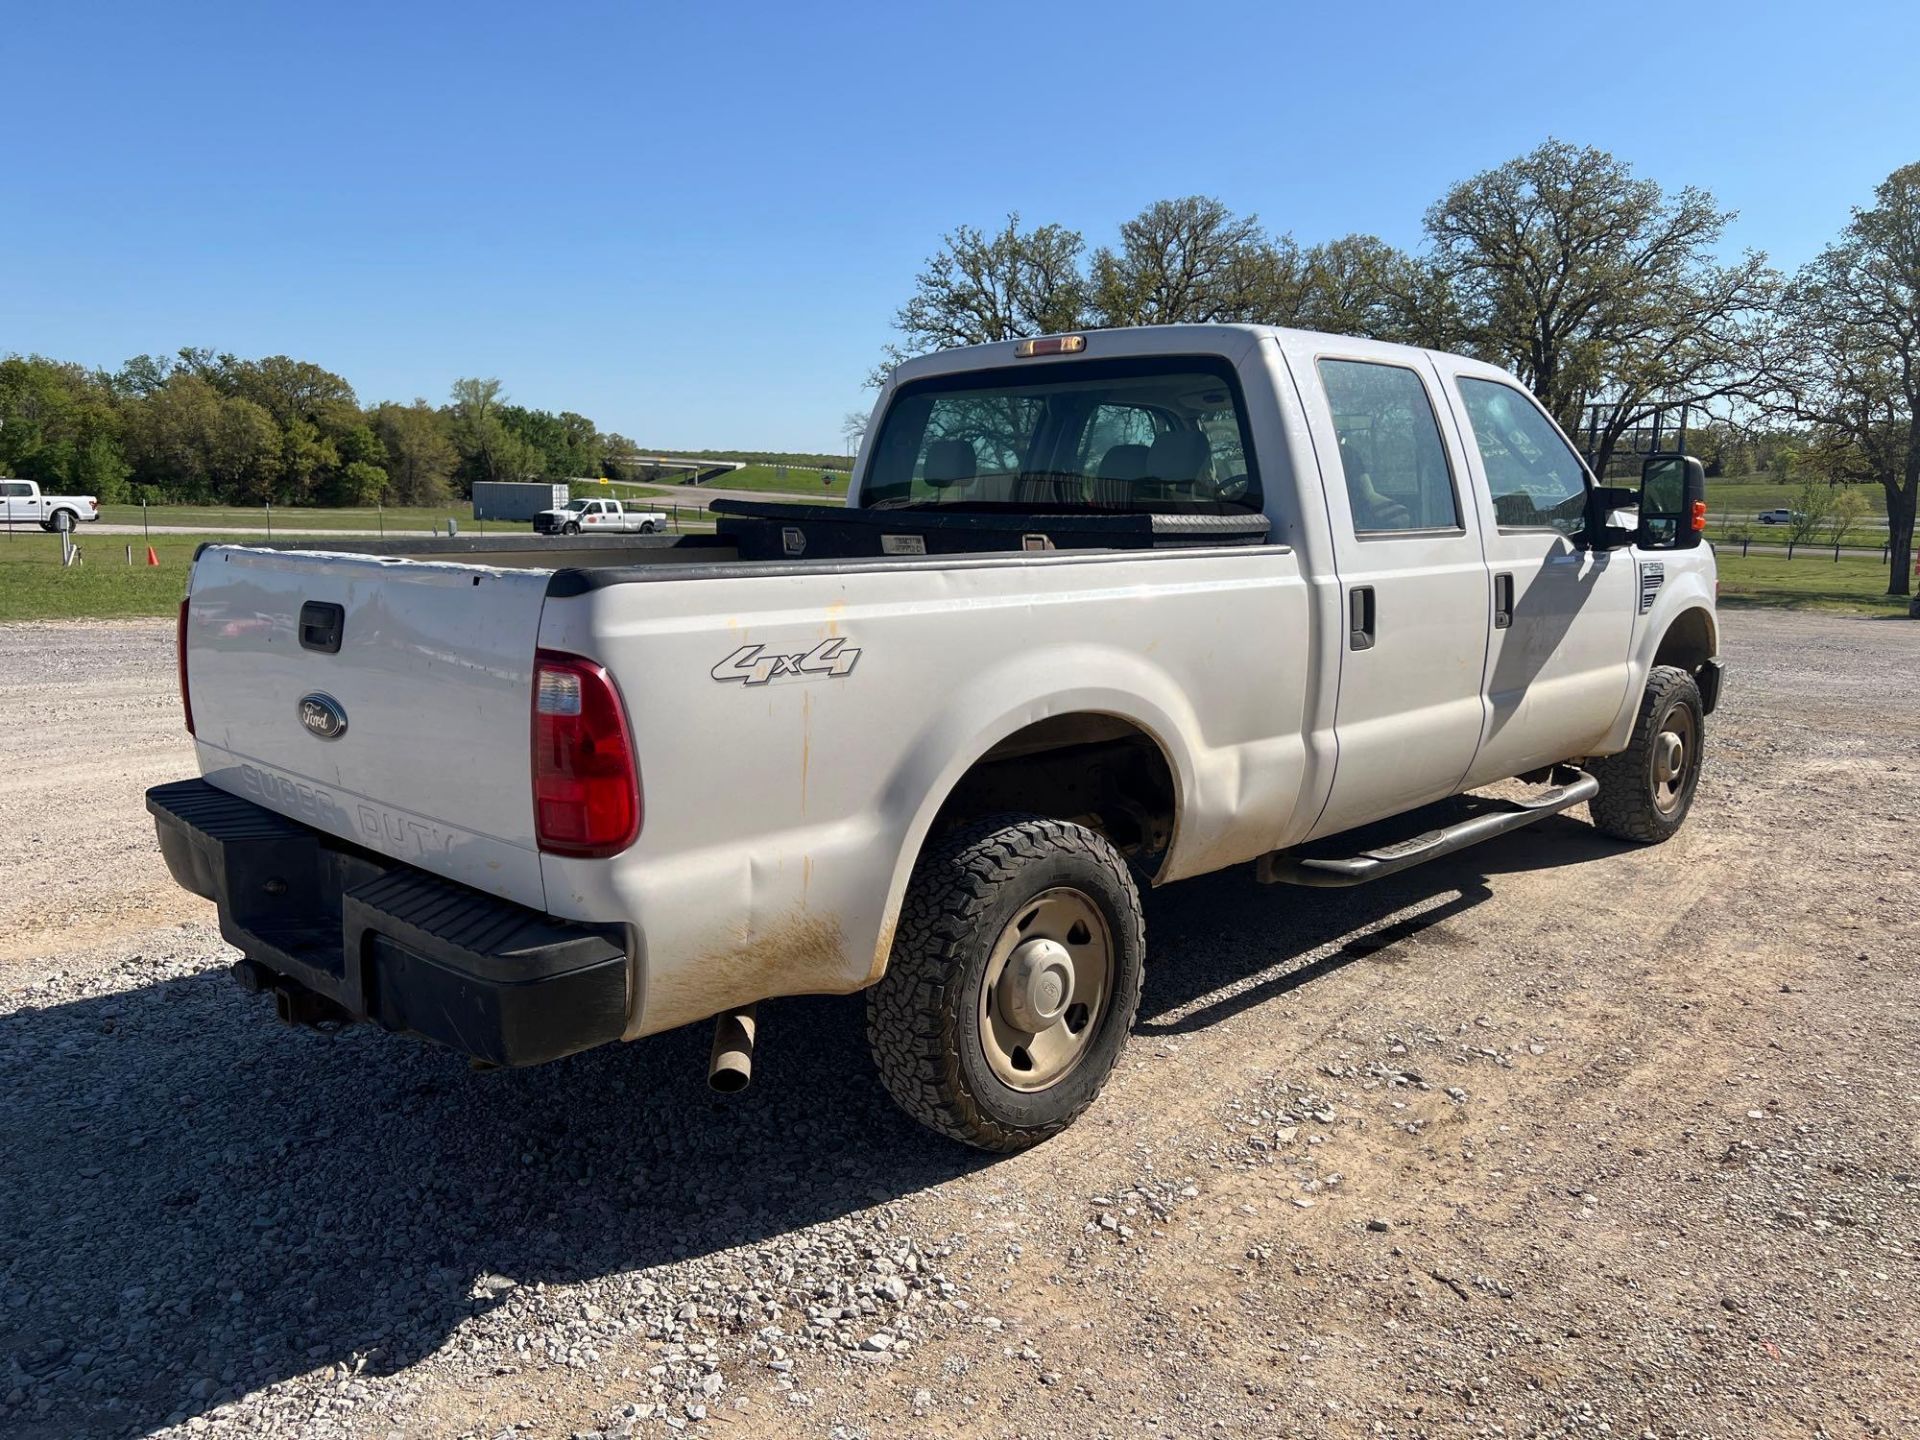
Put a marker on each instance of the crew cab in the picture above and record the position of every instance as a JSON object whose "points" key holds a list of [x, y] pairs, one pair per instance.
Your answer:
{"points": [[591, 517], [23, 500], [1102, 611]]}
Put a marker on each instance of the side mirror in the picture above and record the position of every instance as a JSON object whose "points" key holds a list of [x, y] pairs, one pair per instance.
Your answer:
{"points": [[1602, 501], [1673, 502]]}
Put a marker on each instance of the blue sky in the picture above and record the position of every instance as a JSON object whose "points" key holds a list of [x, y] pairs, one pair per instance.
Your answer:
{"points": [[694, 222]]}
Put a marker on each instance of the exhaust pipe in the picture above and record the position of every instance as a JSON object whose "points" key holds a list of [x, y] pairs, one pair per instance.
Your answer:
{"points": [[730, 1066]]}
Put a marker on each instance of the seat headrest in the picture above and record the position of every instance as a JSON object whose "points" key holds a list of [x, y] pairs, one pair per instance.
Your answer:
{"points": [[1179, 457], [950, 462], [1123, 462]]}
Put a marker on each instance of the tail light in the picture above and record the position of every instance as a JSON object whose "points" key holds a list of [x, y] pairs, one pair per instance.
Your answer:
{"points": [[180, 663], [586, 783]]}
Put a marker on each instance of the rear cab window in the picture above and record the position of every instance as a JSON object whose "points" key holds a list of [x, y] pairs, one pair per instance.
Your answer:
{"points": [[1158, 434], [1391, 455]]}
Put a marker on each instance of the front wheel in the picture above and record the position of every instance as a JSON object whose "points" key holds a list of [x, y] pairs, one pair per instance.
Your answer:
{"points": [[1647, 789], [1013, 982], [572, 527]]}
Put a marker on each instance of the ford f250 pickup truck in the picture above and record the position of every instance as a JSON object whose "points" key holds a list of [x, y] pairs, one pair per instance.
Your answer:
{"points": [[1103, 611], [599, 517]]}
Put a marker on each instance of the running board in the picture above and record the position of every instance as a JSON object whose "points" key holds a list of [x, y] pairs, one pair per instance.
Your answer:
{"points": [[1281, 867]]}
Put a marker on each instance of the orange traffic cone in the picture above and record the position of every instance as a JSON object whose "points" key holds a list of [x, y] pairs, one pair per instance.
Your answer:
{"points": [[152, 559]]}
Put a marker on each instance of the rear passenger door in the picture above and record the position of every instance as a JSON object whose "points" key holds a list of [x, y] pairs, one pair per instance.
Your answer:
{"points": [[1412, 574], [1562, 623]]}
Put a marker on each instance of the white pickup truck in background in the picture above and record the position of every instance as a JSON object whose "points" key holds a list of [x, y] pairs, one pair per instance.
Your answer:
{"points": [[598, 517], [22, 501], [1102, 611]]}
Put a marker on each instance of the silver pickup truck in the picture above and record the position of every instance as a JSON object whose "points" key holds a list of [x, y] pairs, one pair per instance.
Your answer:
{"points": [[1102, 611]]}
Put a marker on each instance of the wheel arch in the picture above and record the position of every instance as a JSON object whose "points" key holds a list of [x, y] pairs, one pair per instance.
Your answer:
{"points": [[1064, 733], [1691, 642]]}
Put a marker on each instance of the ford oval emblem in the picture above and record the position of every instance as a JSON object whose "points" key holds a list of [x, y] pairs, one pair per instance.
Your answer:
{"points": [[322, 716]]}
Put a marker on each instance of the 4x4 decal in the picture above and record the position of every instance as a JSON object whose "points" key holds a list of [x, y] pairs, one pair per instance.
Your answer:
{"points": [[751, 666]]}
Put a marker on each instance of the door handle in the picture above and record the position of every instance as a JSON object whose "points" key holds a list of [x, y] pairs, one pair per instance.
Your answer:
{"points": [[321, 626], [1360, 618], [1502, 601]]}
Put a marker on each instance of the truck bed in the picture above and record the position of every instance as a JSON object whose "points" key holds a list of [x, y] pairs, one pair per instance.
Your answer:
{"points": [[756, 532]]}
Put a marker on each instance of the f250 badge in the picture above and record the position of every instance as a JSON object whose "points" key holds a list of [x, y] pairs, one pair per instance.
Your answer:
{"points": [[751, 665]]}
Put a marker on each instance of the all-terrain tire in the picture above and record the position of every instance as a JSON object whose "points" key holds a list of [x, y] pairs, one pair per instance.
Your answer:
{"points": [[923, 1017], [1630, 805]]}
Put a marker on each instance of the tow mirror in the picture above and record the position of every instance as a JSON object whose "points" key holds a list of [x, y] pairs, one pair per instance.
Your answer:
{"points": [[1602, 501], [1673, 502]]}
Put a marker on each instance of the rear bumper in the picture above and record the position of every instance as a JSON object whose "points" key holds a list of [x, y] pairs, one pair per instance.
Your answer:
{"points": [[339, 933]]}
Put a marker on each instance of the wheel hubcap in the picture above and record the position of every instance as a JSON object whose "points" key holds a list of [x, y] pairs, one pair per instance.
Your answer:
{"points": [[1673, 751], [1045, 990]]}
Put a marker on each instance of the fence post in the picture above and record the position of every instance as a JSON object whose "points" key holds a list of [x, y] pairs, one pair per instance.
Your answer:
{"points": [[269, 519], [145, 534], [1744, 543], [380, 513]]}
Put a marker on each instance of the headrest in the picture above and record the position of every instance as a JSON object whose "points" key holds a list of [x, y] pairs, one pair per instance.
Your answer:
{"points": [[1178, 457], [950, 462], [1124, 462]]}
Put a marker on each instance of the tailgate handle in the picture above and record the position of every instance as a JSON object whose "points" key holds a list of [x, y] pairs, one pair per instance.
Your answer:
{"points": [[321, 626]]}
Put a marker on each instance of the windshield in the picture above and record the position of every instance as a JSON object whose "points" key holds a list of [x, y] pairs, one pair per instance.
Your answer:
{"points": [[1159, 434], [577, 504]]}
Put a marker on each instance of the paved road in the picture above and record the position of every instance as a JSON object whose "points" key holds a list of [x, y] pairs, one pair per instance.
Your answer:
{"points": [[1556, 1134]]}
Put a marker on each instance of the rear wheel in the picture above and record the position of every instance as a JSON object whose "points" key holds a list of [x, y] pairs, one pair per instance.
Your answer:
{"points": [[1013, 982], [646, 527], [1647, 789]]}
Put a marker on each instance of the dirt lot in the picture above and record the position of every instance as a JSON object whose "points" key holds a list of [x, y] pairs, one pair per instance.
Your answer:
{"points": [[1562, 1138]]}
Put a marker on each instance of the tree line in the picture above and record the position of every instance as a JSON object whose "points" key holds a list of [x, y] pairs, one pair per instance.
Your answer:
{"points": [[1603, 291], [212, 428]]}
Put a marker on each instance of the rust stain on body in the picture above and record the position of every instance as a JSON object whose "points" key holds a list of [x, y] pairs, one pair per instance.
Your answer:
{"points": [[802, 952]]}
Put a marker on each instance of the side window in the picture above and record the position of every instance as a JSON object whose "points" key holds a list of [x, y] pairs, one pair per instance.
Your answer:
{"points": [[1536, 479], [1391, 454], [14, 490]]}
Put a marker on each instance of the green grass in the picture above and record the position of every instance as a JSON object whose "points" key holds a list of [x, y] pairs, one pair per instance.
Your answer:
{"points": [[33, 586], [1855, 586], [801, 482], [1750, 494]]}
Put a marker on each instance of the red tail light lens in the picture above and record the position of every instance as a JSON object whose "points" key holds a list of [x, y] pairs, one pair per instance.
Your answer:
{"points": [[180, 663], [586, 783]]}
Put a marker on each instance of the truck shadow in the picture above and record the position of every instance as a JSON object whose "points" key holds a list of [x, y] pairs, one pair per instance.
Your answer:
{"points": [[201, 1203], [1222, 943]]}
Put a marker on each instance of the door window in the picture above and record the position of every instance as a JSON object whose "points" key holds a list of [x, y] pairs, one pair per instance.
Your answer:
{"points": [[1536, 480], [16, 490], [1391, 455]]}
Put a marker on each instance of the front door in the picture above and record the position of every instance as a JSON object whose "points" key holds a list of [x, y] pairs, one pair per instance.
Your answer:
{"points": [[1557, 665], [1413, 580]]}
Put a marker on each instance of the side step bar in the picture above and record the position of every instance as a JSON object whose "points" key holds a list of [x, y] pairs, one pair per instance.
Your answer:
{"points": [[1282, 867]]}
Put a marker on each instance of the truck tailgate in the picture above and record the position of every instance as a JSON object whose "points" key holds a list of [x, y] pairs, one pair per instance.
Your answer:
{"points": [[432, 678]]}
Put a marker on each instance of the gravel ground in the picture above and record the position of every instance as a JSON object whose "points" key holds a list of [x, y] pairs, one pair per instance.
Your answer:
{"points": [[1556, 1137]]}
